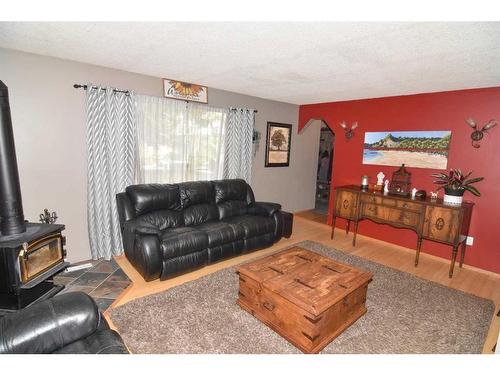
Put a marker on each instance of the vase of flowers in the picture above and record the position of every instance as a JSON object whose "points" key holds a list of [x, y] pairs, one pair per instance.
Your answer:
{"points": [[455, 184]]}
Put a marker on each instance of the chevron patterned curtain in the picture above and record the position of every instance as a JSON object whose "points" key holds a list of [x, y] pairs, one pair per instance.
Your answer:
{"points": [[238, 144], [111, 151]]}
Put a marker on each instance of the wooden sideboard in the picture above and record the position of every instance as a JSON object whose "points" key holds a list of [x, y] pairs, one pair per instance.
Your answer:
{"points": [[430, 219]]}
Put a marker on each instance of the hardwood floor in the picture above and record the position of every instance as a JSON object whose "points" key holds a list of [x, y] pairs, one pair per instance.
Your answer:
{"points": [[468, 279], [313, 216]]}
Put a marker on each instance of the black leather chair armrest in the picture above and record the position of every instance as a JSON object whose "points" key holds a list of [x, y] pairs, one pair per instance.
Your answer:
{"points": [[100, 342], [49, 325], [264, 208]]}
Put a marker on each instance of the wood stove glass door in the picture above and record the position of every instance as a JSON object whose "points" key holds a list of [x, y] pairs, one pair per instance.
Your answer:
{"points": [[40, 256]]}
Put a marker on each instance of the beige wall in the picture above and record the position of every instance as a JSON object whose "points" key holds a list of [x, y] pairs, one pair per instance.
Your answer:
{"points": [[49, 128]]}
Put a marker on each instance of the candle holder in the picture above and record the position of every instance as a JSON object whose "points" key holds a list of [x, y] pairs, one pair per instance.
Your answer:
{"points": [[364, 182]]}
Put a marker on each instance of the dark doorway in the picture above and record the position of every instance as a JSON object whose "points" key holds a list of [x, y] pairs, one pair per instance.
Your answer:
{"points": [[324, 172]]}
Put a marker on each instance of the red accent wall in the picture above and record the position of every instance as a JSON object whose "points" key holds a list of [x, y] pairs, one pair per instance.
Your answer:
{"points": [[434, 111]]}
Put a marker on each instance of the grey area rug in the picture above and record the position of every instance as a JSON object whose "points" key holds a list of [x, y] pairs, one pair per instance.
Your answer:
{"points": [[406, 314]]}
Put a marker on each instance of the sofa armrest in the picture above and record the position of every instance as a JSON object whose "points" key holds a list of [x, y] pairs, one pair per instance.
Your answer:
{"points": [[141, 243], [147, 229], [124, 209], [131, 229], [140, 227], [264, 208], [49, 325]]}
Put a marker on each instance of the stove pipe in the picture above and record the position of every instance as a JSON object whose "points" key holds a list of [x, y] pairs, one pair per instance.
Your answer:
{"points": [[11, 205]]}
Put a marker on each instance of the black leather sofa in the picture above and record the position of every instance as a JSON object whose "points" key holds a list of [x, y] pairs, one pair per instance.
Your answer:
{"points": [[169, 229], [68, 323]]}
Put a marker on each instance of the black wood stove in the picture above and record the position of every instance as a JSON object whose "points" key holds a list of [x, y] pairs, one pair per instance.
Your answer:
{"points": [[30, 253]]}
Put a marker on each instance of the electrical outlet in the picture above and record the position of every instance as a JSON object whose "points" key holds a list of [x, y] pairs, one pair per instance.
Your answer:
{"points": [[470, 240]]}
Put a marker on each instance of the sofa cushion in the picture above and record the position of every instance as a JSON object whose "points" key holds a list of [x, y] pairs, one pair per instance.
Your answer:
{"points": [[175, 266], [253, 225], [226, 250], [180, 241], [231, 197], [163, 219], [196, 192], [230, 190], [220, 233], [198, 202], [200, 213], [151, 197]]}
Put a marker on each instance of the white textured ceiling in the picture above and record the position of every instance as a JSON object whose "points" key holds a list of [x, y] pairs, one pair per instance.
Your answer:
{"points": [[291, 62]]}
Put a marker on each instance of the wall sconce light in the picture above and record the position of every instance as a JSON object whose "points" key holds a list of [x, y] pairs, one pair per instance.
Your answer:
{"points": [[349, 133], [256, 141], [478, 134]]}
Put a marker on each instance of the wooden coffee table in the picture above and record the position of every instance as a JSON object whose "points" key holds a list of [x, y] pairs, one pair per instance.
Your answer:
{"points": [[305, 297]]}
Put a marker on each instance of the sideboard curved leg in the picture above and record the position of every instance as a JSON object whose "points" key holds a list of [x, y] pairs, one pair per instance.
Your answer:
{"points": [[334, 219], [462, 254], [355, 233], [419, 246], [453, 258]]}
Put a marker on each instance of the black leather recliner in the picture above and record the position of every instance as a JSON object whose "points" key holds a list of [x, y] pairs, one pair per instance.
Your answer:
{"points": [[169, 229], [68, 323]]}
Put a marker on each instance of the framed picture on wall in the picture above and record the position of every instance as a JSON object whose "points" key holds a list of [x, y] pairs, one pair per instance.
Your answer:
{"points": [[278, 143], [418, 149], [185, 91]]}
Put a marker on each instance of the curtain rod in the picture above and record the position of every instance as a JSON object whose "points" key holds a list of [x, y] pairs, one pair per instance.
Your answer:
{"points": [[241, 109], [85, 87]]}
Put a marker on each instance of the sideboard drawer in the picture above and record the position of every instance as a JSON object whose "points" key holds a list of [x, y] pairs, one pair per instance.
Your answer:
{"points": [[393, 215], [389, 202], [404, 217], [374, 211], [409, 205], [345, 204], [371, 199], [441, 224]]}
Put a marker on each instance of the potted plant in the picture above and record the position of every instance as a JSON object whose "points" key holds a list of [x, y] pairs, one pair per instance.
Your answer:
{"points": [[455, 183]]}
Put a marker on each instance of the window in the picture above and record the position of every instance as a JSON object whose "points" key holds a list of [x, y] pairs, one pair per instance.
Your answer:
{"points": [[178, 141]]}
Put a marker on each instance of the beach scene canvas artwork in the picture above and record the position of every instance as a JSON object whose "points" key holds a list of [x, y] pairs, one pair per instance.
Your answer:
{"points": [[419, 149]]}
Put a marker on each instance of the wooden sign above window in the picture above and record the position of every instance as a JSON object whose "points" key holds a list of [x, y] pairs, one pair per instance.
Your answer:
{"points": [[185, 91]]}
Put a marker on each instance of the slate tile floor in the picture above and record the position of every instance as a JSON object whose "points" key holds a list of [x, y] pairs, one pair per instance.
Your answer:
{"points": [[104, 282]]}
